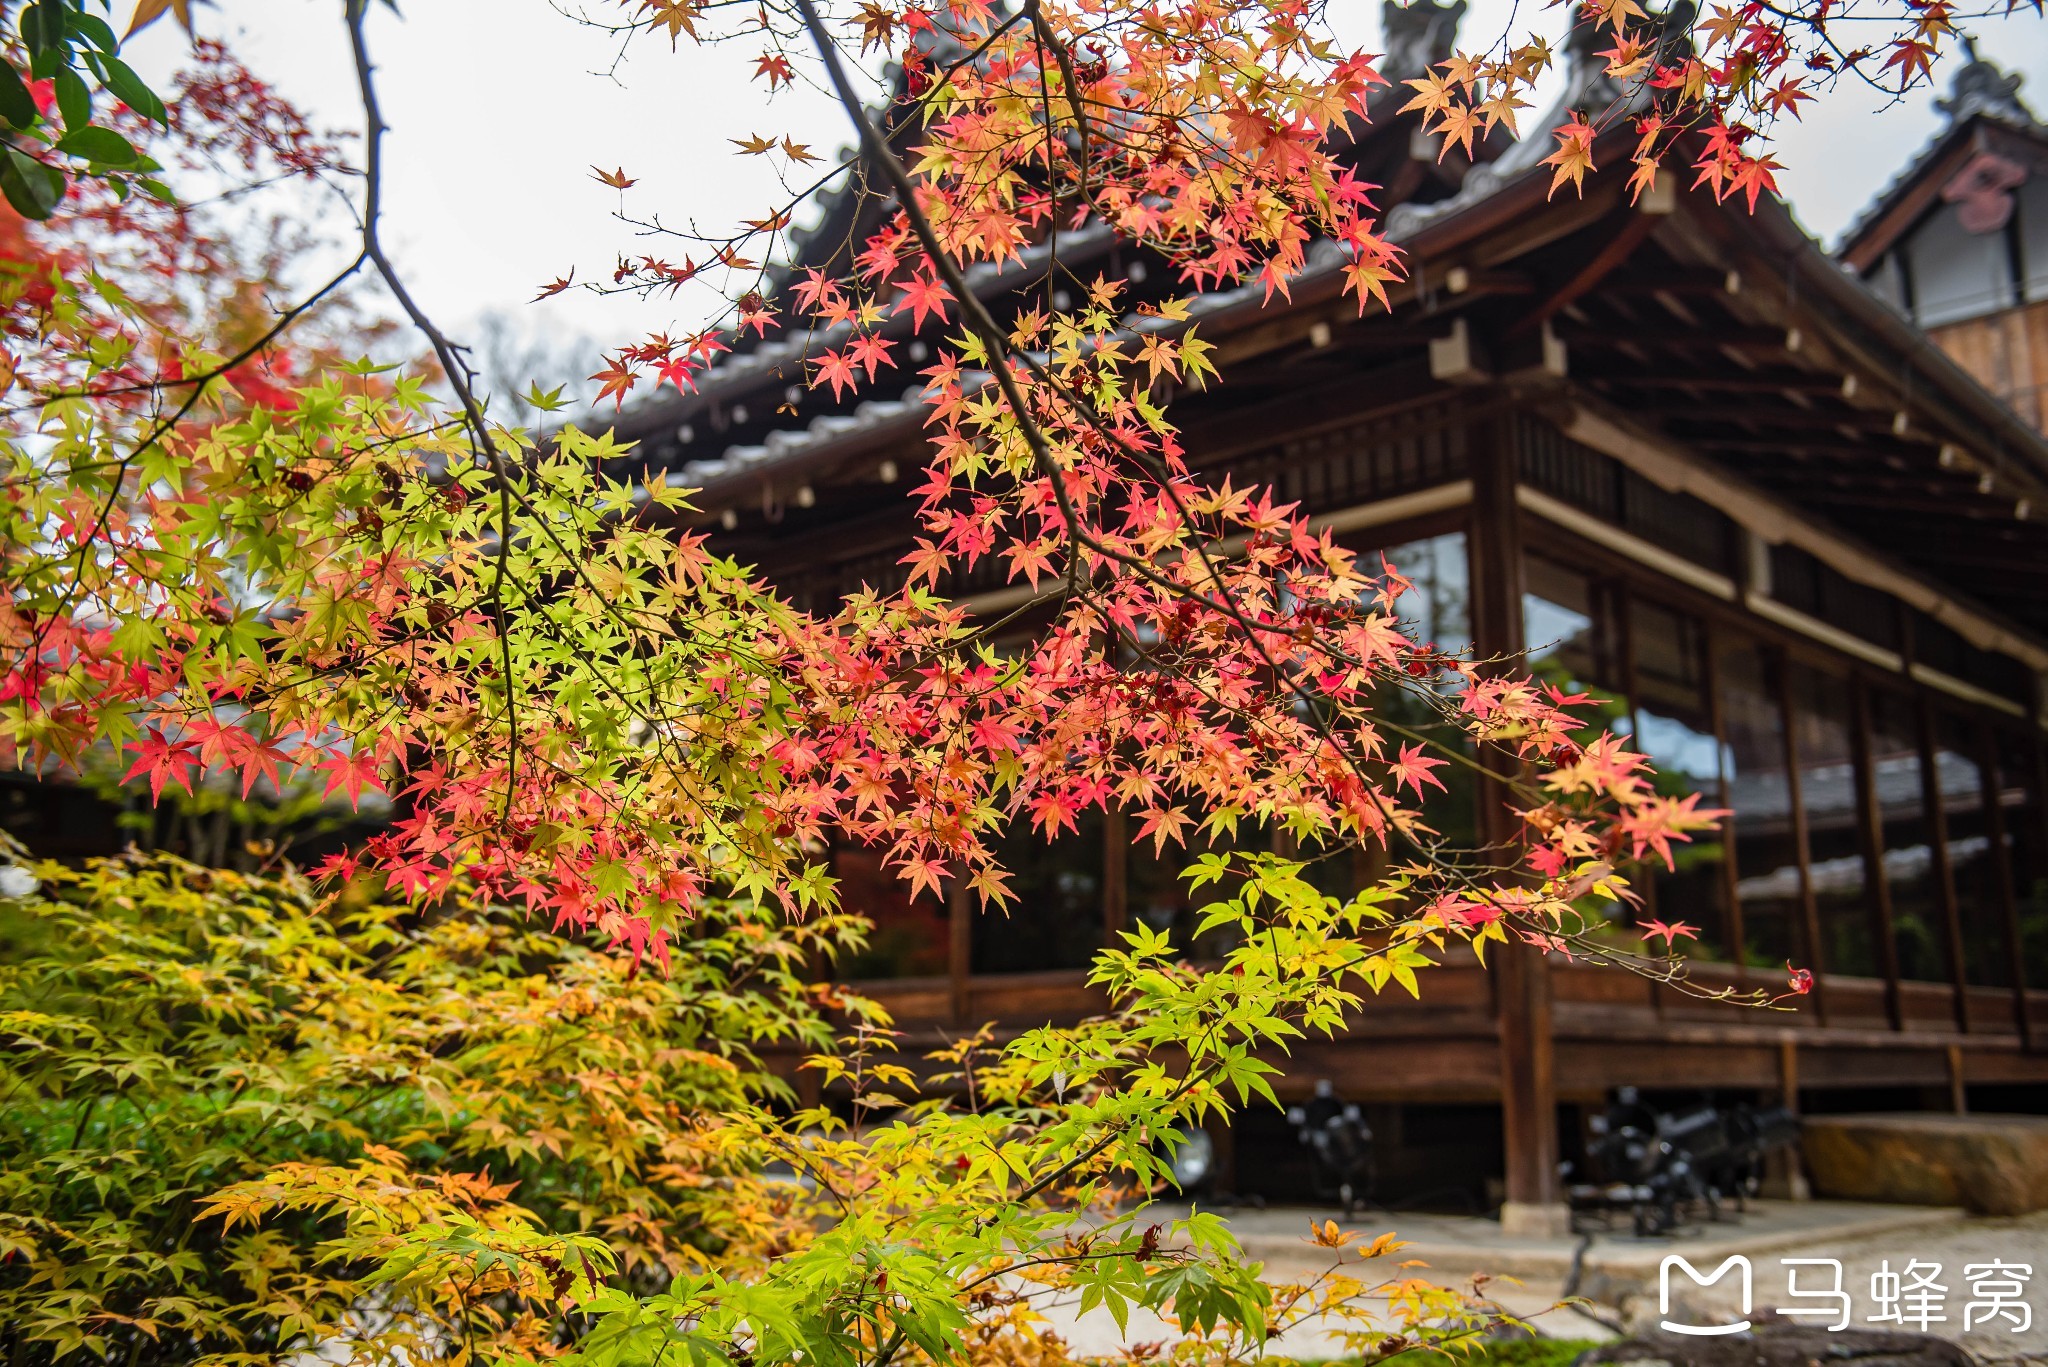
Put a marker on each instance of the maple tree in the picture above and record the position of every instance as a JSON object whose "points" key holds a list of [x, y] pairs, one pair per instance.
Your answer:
{"points": [[229, 552]]}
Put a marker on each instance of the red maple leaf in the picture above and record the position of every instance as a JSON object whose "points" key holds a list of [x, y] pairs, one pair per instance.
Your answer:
{"points": [[924, 295]]}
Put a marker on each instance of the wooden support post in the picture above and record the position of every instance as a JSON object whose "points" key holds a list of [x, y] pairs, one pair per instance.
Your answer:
{"points": [[1991, 777], [810, 1088], [2040, 831], [1521, 975], [959, 945], [1958, 1097], [1223, 1146], [1795, 789], [1935, 803], [1784, 1171], [1731, 830], [1870, 831]]}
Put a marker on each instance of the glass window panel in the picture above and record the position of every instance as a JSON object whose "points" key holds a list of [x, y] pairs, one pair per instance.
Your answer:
{"points": [[1056, 920], [2019, 799], [1908, 841], [1823, 728], [1569, 629], [1437, 607], [1674, 726], [1980, 894], [909, 936], [1766, 854]]}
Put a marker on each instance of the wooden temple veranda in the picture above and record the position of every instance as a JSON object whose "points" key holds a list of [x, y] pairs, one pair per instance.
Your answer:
{"points": [[1672, 451]]}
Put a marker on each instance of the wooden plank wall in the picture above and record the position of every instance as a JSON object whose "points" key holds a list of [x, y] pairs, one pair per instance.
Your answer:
{"points": [[2007, 353]]}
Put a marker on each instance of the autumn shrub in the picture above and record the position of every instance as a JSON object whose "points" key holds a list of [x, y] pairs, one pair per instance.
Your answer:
{"points": [[939, 1209], [168, 1030], [238, 1119]]}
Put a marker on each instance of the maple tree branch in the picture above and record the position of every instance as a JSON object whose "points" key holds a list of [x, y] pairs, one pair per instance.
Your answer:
{"points": [[1000, 354], [460, 375], [1074, 101], [163, 427]]}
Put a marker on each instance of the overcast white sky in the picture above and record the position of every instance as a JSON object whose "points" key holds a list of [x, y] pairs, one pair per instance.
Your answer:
{"points": [[501, 107]]}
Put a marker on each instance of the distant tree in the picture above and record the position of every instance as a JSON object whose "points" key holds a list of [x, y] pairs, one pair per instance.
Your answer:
{"points": [[516, 365]]}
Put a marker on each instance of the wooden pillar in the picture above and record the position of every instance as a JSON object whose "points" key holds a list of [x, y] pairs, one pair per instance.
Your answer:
{"points": [[959, 945], [1870, 831], [1223, 1150], [1795, 791], [1784, 1173], [2039, 747], [1991, 773], [1936, 806], [1521, 975], [1958, 1097], [1731, 878]]}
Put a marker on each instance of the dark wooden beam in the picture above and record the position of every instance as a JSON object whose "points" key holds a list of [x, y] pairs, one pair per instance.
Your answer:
{"points": [[1838, 499], [1862, 451], [1797, 382], [1805, 478], [1116, 848], [1693, 340], [1616, 250], [959, 946], [1683, 282], [2022, 562], [1783, 415], [1731, 899]]}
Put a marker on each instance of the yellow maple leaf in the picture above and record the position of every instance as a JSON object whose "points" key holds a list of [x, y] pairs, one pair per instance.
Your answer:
{"points": [[1573, 157], [677, 16], [147, 12]]}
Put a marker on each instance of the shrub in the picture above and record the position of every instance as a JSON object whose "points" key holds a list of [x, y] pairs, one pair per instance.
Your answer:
{"points": [[167, 1031]]}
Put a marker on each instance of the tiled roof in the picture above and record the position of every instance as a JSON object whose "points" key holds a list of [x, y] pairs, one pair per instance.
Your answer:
{"points": [[1418, 34], [1981, 90]]}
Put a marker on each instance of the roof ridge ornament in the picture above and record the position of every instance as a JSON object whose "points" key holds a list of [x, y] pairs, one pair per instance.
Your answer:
{"points": [[1983, 87], [1589, 91], [1417, 36]]}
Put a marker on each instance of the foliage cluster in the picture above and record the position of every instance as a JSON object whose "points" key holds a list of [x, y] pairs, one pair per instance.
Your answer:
{"points": [[248, 1112], [167, 1031], [240, 1118]]}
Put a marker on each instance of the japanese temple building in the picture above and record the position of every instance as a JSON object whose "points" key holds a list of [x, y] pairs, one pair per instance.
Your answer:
{"points": [[1673, 451]]}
